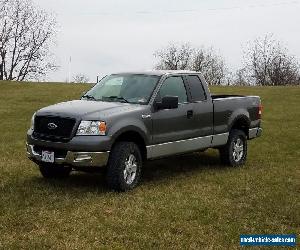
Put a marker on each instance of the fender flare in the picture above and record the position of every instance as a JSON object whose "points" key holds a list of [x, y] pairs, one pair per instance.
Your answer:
{"points": [[126, 126], [233, 120]]}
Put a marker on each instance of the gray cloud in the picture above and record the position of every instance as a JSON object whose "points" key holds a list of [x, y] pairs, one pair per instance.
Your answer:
{"points": [[108, 36]]}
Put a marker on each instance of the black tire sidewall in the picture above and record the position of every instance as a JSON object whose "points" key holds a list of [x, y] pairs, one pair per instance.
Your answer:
{"points": [[116, 165]]}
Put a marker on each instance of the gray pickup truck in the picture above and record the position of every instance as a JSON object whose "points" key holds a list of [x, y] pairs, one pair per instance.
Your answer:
{"points": [[129, 118]]}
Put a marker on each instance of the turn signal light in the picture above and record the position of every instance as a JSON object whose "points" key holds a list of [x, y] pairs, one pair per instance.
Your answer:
{"points": [[102, 128]]}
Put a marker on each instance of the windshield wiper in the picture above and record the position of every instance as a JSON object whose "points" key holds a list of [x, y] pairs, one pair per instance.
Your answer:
{"points": [[89, 97], [121, 98]]}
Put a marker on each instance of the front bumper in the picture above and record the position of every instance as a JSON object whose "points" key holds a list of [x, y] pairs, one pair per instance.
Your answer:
{"points": [[75, 159]]}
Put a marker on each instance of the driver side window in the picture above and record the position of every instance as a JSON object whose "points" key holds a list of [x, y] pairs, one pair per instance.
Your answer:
{"points": [[173, 86]]}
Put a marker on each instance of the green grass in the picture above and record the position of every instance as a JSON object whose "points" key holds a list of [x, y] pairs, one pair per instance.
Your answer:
{"points": [[189, 201]]}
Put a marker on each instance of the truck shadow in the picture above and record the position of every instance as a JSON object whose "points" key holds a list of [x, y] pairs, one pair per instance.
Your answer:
{"points": [[153, 171], [158, 170], [83, 182]]}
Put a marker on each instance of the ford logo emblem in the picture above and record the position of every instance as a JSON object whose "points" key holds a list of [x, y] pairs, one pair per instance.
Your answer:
{"points": [[52, 126]]}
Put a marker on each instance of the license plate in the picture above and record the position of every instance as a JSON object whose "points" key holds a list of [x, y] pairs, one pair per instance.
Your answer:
{"points": [[48, 156]]}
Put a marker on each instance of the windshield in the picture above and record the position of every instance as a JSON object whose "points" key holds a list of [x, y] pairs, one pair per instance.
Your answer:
{"points": [[124, 88]]}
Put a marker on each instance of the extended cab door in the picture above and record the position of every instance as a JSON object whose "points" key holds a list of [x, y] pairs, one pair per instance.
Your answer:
{"points": [[171, 125], [202, 106]]}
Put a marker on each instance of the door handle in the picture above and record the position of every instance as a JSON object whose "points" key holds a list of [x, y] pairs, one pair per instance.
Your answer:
{"points": [[189, 114]]}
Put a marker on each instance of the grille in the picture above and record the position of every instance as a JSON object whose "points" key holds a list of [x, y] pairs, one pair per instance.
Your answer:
{"points": [[61, 128]]}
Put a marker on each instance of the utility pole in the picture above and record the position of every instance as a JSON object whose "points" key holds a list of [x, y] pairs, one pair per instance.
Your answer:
{"points": [[70, 68]]}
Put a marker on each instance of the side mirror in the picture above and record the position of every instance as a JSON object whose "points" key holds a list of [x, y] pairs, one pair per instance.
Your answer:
{"points": [[168, 102]]}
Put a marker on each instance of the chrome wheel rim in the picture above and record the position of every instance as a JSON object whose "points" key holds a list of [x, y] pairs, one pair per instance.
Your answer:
{"points": [[238, 150], [130, 169]]}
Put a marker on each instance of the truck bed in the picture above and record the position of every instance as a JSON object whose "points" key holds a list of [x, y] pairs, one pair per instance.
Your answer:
{"points": [[227, 106]]}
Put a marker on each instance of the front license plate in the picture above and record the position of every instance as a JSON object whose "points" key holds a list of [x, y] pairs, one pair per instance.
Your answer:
{"points": [[48, 156]]}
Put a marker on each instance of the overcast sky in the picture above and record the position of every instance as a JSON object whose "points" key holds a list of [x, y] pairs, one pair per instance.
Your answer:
{"points": [[103, 37]]}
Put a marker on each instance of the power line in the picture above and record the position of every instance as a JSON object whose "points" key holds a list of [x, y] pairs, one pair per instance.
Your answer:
{"points": [[169, 11], [258, 5]]}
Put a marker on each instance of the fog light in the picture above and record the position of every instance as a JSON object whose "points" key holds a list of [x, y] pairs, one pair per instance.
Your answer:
{"points": [[83, 158]]}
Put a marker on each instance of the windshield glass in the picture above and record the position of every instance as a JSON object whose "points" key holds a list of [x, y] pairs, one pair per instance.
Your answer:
{"points": [[124, 88]]}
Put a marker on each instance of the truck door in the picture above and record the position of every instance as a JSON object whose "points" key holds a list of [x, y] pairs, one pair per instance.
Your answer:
{"points": [[203, 106], [171, 125]]}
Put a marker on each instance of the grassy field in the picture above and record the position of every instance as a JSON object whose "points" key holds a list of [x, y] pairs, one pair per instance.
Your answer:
{"points": [[183, 202]]}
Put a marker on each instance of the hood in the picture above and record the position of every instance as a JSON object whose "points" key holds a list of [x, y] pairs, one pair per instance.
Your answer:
{"points": [[85, 108]]}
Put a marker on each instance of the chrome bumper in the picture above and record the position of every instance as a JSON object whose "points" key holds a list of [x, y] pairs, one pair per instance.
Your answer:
{"points": [[76, 159], [254, 132]]}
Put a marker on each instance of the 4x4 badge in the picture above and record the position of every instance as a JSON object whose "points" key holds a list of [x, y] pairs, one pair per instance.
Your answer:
{"points": [[146, 116]]}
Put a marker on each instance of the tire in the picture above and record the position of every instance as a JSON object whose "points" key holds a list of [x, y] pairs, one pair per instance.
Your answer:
{"points": [[124, 166], [52, 171], [234, 153]]}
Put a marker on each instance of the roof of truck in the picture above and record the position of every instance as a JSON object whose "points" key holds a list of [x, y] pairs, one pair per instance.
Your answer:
{"points": [[157, 72]]}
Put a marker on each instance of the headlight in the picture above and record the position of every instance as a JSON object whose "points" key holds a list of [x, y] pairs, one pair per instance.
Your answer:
{"points": [[91, 128], [32, 121]]}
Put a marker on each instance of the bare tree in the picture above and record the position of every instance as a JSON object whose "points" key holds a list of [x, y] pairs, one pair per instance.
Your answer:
{"points": [[174, 57], [210, 64], [81, 78], [240, 78], [185, 57], [268, 62], [26, 34]]}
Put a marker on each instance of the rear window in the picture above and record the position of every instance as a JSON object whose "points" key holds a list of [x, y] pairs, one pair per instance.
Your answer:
{"points": [[196, 89]]}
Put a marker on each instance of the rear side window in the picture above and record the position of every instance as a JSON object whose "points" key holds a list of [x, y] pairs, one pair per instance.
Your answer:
{"points": [[196, 89]]}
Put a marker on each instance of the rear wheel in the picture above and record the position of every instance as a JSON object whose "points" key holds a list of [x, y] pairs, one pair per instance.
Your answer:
{"points": [[124, 166], [51, 171], [234, 153]]}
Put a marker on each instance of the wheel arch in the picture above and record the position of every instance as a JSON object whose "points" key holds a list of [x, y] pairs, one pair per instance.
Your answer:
{"points": [[241, 122], [132, 134]]}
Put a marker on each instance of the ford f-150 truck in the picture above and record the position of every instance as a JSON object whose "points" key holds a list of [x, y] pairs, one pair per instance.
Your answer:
{"points": [[128, 118]]}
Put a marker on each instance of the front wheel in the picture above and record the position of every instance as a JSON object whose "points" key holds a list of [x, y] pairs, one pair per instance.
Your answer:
{"points": [[234, 153], [124, 166]]}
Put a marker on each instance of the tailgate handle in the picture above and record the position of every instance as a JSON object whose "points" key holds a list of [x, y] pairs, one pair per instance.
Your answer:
{"points": [[189, 114]]}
